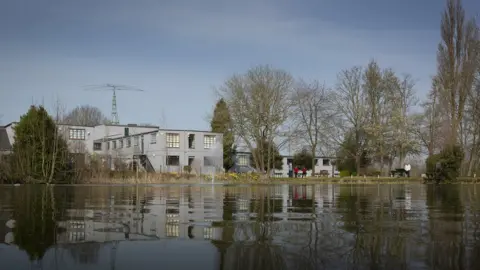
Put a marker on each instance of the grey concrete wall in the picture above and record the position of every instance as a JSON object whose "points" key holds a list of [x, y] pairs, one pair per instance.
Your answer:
{"points": [[97, 133], [155, 147]]}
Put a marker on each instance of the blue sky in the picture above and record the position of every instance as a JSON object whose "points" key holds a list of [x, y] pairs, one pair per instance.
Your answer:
{"points": [[180, 50]]}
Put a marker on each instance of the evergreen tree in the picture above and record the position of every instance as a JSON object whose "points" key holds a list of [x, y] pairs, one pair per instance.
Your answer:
{"points": [[222, 123], [303, 158], [40, 153]]}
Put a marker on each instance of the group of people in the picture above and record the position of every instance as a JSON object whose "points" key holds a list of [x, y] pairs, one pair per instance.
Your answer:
{"points": [[295, 171]]}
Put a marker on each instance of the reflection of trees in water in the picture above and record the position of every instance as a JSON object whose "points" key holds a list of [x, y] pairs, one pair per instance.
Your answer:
{"points": [[446, 223], [256, 245], [379, 242], [85, 253], [36, 212]]}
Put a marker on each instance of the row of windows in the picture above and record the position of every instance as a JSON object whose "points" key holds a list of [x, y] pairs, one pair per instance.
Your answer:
{"points": [[175, 161], [172, 141], [76, 134]]}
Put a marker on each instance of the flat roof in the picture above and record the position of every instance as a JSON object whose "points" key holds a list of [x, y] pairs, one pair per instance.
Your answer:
{"points": [[155, 131]]}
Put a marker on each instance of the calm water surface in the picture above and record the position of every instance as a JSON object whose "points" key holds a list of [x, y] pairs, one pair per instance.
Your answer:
{"points": [[240, 227]]}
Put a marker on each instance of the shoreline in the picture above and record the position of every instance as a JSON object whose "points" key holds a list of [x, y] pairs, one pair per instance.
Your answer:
{"points": [[250, 181]]}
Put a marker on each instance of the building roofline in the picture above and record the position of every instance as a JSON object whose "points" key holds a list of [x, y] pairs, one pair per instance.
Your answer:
{"points": [[155, 131], [283, 156], [9, 124], [109, 125]]}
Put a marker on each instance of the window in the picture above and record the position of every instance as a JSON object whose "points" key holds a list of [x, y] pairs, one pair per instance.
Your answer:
{"points": [[172, 230], [129, 142], [76, 134], [191, 141], [326, 162], [120, 143], [97, 146], [173, 160], [173, 140], [208, 161], [207, 233], [114, 144], [243, 160], [153, 138], [108, 145], [190, 161], [135, 141], [208, 141]]}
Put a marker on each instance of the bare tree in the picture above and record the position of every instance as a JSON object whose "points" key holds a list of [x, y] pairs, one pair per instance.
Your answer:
{"points": [[259, 103], [456, 65], [352, 105], [429, 122], [378, 86], [314, 115], [402, 121], [85, 115]]}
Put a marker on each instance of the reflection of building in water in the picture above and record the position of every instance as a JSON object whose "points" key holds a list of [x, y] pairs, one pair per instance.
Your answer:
{"points": [[184, 214]]}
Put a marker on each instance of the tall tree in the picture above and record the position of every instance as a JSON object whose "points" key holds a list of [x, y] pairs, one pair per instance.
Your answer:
{"points": [[85, 115], [259, 103], [456, 65], [222, 123], [377, 85], [314, 116], [402, 121], [429, 123], [352, 104]]}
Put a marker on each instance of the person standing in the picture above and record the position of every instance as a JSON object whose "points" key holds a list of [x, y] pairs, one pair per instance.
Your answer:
{"points": [[295, 171], [290, 170], [407, 169], [304, 172]]}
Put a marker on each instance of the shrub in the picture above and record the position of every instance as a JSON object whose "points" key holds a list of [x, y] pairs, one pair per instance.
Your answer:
{"points": [[373, 173], [450, 159], [344, 173], [187, 169]]}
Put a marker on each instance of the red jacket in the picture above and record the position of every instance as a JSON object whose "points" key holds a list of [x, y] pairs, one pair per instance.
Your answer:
{"points": [[295, 169]]}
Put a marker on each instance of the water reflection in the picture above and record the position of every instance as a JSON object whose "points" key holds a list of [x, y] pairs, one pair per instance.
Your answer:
{"points": [[240, 227]]}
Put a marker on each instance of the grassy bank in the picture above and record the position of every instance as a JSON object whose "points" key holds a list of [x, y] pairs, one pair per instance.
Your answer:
{"points": [[132, 178], [243, 179]]}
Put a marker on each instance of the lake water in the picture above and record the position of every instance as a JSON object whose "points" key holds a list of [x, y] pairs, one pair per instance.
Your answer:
{"points": [[242, 227]]}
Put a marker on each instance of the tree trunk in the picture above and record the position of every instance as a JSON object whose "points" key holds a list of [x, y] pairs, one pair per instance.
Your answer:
{"points": [[314, 147]]}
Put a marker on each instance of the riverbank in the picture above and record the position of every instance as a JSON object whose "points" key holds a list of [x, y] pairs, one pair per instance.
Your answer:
{"points": [[116, 178], [246, 180]]}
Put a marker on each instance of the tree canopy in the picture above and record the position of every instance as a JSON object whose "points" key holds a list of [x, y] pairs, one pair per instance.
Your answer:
{"points": [[85, 115]]}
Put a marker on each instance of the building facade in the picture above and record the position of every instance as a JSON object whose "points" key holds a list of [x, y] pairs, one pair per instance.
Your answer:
{"points": [[167, 150], [323, 165], [155, 149]]}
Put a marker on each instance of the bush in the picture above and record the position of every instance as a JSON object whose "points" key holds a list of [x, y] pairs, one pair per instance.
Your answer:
{"points": [[187, 169], [431, 163], [450, 159], [344, 173], [373, 173]]}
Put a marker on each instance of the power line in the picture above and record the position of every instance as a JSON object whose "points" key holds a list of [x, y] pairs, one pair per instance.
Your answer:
{"points": [[114, 88]]}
